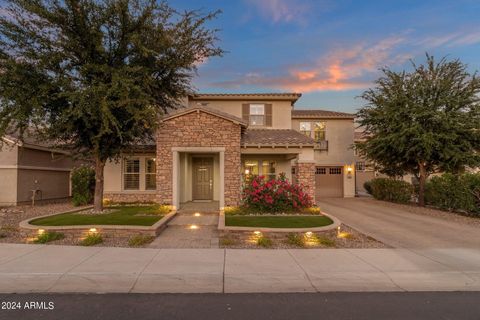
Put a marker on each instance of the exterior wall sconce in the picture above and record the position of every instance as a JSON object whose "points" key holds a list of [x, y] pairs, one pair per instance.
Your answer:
{"points": [[349, 172]]}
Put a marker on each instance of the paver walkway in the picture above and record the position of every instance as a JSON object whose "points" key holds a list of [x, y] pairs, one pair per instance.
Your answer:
{"points": [[194, 226], [52, 268]]}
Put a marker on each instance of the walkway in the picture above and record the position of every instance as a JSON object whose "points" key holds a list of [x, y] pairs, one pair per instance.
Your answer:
{"points": [[51, 268], [194, 226]]}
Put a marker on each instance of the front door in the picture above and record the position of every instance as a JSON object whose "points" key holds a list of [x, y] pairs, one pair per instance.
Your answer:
{"points": [[202, 186]]}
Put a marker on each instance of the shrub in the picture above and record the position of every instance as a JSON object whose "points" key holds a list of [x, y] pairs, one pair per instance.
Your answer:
{"points": [[391, 190], [324, 241], [91, 239], [225, 242], [296, 240], [83, 185], [264, 242], [140, 240], [454, 192], [275, 195], [49, 236], [367, 185]]}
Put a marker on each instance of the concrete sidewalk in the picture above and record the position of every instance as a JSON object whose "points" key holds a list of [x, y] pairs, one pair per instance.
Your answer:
{"points": [[41, 268]]}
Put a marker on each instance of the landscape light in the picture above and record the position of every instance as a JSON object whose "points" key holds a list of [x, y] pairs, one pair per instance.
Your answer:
{"points": [[92, 230], [308, 234], [257, 233], [193, 226], [197, 214], [41, 231]]}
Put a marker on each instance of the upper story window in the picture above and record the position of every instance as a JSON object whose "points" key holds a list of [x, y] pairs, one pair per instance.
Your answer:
{"points": [[320, 131], [257, 114], [306, 128]]}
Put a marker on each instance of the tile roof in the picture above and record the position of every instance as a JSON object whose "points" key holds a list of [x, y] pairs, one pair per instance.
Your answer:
{"points": [[275, 137], [316, 113], [206, 109], [271, 95]]}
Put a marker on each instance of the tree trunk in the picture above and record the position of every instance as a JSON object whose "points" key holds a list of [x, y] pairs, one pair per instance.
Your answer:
{"points": [[421, 184], [98, 196]]}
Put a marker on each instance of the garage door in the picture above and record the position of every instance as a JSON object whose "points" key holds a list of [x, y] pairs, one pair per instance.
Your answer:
{"points": [[329, 182]]}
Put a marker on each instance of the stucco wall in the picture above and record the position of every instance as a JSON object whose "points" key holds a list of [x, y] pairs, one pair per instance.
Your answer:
{"points": [[52, 184], [8, 155], [339, 133], [8, 187], [281, 110], [40, 158]]}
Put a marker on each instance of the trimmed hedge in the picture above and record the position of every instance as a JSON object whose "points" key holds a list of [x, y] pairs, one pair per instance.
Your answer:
{"points": [[391, 190], [83, 185], [454, 192]]}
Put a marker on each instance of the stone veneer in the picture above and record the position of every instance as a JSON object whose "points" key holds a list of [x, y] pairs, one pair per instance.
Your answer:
{"points": [[130, 197], [199, 129], [305, 174]]}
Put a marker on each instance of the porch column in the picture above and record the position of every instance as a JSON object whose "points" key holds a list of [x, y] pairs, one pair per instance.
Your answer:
{"points": [[175, 193], [222, 180], [306, 176]]}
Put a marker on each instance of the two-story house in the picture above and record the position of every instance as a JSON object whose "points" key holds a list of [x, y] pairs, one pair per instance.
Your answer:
{"points": [[204, 151]]}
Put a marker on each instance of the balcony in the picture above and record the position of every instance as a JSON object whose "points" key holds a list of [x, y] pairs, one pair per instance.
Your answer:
{"points": [[321, 145]]}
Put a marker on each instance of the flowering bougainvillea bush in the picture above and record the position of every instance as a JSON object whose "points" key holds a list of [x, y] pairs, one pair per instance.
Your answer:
{"points": [[274, 195]]}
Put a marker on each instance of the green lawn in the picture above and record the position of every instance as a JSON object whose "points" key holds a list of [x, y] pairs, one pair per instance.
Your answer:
{"points": [[125, 215], [278, 221]]}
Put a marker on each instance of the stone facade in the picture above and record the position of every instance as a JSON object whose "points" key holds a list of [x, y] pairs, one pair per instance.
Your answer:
{"points": [[199, 129], [305, 174], [130, 197]]}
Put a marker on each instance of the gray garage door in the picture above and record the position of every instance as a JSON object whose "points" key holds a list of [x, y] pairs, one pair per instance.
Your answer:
{"points": [[329, 182]]}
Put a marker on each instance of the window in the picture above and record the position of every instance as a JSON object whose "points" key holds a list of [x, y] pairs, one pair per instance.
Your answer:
{"points": [[294, 170], [360, 166], [150, 174], [319, 170], [335, 171], [257, 114], [251, 167], [268, 169], [131, 174], [306, 128], [319, 131]]}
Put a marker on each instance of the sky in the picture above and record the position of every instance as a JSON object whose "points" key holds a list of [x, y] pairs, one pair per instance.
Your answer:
{"points": [[330, 50]]}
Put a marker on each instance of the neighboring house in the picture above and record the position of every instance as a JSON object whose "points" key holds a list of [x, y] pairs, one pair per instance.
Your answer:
{"points": [[32, 170], [204, 151], [365, 170]]}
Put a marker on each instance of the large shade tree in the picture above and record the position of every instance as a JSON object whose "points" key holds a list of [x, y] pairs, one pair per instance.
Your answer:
{"points": [[423, 121], [94, 75]]}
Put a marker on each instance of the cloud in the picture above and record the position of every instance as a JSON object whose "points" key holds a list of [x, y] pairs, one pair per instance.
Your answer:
{"points": [[281, 10], [340, 69], [454, 39]]}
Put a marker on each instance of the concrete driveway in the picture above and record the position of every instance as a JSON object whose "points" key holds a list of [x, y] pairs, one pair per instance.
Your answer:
{"points": [[399, 228]]}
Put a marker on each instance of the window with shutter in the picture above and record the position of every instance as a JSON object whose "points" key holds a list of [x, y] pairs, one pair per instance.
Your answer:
{"points": [[257, 114]]}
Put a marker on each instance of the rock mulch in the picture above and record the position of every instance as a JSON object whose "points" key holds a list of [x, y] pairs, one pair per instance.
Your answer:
{"points": [[355, 239], [10, 217]]}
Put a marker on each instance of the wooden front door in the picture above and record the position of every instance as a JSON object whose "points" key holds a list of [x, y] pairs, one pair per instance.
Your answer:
{"points": [[202, 186]]}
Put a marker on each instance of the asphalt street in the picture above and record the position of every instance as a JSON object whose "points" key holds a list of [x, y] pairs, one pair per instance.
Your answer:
{"points": [[335, 306]]}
